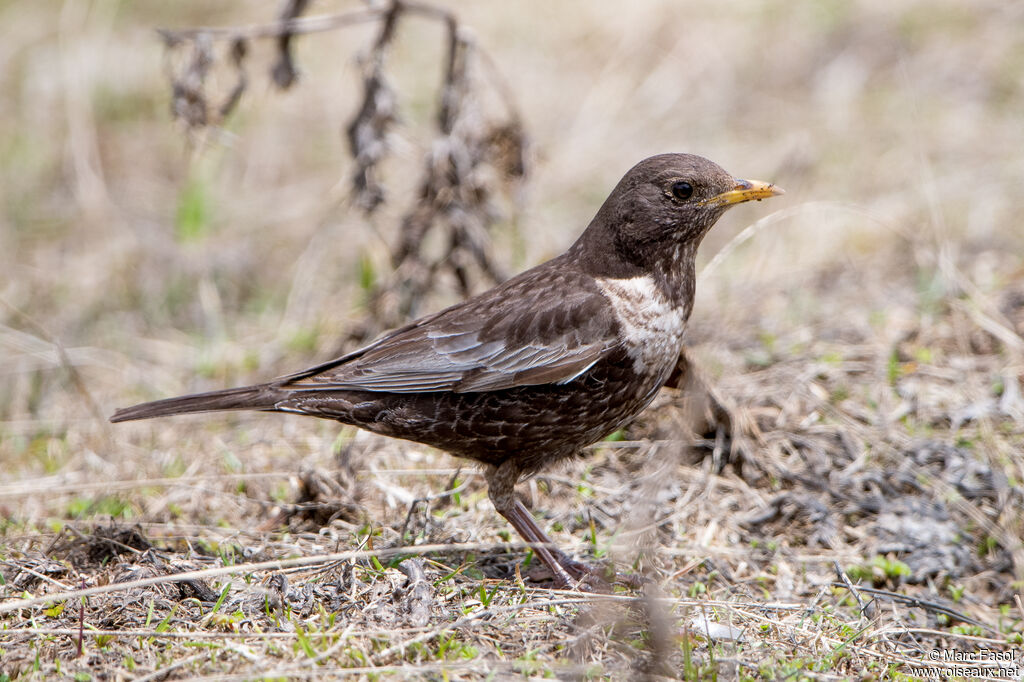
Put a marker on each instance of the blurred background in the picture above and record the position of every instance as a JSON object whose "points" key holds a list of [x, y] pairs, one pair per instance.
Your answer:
{"points": [[864, 331], [140, 262]]}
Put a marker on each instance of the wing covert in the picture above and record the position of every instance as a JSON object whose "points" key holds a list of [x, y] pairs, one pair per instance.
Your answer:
{"points": [[485, 344]]}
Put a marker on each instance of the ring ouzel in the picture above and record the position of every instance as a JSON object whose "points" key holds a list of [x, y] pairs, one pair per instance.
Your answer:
{"points": [[533, 370]]}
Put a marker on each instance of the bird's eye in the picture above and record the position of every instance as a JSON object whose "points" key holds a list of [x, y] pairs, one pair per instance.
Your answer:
{"points": [[682, 190]]}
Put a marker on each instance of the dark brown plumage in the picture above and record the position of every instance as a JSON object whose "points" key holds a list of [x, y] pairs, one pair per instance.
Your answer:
{"points": [[533, 370]]}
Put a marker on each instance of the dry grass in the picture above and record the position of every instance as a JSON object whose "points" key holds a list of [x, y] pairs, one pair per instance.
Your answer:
{"points": [[857, 507]]}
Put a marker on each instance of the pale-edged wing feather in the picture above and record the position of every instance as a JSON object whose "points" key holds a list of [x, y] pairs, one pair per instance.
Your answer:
{"points": [[484, 345]]}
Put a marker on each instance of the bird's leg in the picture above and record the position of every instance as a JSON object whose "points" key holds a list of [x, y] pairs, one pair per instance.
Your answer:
{"points": [[501, 481], [524, 521]]}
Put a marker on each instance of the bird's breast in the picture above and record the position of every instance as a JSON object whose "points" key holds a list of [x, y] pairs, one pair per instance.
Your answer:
{"points": [[650, 324]]}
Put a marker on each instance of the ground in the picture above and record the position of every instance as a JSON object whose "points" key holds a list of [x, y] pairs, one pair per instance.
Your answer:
{"points": [[838, 497]]}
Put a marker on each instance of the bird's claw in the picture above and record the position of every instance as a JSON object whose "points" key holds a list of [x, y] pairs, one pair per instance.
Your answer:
{"points": [[600, 578]]}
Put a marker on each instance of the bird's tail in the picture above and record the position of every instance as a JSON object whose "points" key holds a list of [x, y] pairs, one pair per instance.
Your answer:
{"points": [[259, 397]]}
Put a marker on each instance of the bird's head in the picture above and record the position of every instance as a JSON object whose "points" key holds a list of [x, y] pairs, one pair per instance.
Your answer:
{"points": [[663, 203]]}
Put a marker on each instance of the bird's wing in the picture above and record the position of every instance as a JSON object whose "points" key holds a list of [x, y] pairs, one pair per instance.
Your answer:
{"points": [[518, 335]]}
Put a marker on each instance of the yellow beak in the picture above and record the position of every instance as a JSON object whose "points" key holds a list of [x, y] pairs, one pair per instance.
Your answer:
{"points": [[745, 190]]}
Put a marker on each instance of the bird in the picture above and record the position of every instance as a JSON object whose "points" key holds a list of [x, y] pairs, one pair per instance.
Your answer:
{"points": [[533, 370]]}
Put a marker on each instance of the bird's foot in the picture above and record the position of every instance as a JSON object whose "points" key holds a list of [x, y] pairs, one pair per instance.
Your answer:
{"points": [[587, 577]]}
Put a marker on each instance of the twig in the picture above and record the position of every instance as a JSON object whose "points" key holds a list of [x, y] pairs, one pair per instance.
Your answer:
{"points": [[299, 26], [317, 23], [418, 593], [841, 574], [205, 634], [752, 230], [65, 361], [284, 72], [41, 576], [466, 620], [81, 618], [458, 178], [50, 487], [164, 672], [923, 604], [276, 565], [450, 491]]}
